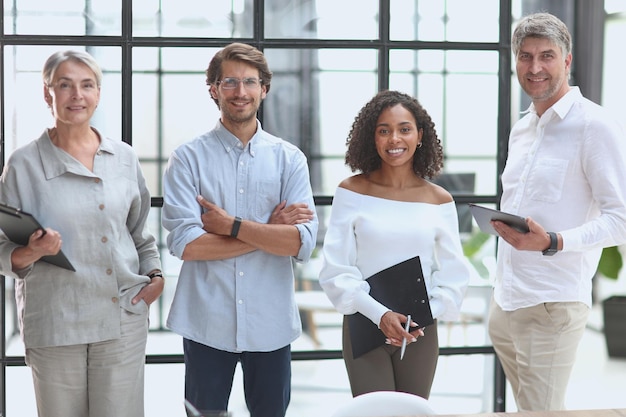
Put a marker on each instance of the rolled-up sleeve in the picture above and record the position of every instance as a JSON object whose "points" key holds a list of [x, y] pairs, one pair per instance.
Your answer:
{"points": [[181, 212], [298, 190]]}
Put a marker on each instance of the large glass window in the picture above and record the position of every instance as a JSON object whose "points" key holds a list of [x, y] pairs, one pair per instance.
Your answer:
{"points": [[328, 57]]}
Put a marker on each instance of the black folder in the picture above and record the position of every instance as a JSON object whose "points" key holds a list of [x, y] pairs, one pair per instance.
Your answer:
{"points": [[18, 226], [402, 289]]}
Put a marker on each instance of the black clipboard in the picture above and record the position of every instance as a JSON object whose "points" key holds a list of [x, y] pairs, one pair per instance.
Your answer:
{"points": [[485, 215], [18, 225], [402, 289]]}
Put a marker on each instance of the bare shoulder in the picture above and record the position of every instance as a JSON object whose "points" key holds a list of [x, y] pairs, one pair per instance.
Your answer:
{"points": [[356, 183], [439, 194]]}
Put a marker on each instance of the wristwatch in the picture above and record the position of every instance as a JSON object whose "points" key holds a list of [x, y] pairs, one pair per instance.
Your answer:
{"points": [[553, 245]]}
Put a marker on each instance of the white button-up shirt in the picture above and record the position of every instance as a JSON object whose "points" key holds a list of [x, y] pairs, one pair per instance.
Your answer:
{"points": [[567, 171]]}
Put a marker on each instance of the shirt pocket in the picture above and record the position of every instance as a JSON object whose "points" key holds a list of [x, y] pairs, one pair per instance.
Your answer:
{"points": [[546, 180], [267, 196]]}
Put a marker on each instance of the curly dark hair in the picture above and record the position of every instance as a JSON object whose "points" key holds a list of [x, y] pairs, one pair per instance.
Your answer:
{"points": [[362, 154]]}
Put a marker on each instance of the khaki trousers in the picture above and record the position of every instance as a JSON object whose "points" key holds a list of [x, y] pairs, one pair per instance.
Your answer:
{"points": [[382, 370], [102, 379], [537, 348]]}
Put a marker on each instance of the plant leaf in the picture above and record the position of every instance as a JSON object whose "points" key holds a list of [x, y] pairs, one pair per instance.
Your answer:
{"points": [[474, 243], [610, 262]]}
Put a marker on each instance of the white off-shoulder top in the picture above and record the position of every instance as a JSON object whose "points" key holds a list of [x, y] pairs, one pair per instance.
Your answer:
{"points": [[368, 234]]}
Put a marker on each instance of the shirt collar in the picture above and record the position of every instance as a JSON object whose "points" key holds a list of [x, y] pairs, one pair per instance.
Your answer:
{"points": [[57, 162], [563, 106], [230, 141]]}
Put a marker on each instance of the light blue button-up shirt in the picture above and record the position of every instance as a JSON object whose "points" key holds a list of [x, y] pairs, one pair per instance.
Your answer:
{"points": [[244, 303], [101, 216]]}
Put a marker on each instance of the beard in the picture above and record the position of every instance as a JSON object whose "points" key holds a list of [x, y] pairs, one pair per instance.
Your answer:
{"points": [[546, 93], [240, 116]]}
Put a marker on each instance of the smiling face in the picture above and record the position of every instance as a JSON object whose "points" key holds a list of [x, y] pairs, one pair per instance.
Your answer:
{"points": [[73, 94], [397, 136], [239, 105], [543, 71]]}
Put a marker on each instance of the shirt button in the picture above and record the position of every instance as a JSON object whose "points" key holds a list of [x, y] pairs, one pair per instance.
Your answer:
{"points": [[240, 302], [114, 299], [96, 180], [241, 163], [109, 271], [101, 206], [241, 191], [104, 239], [241, 273]]}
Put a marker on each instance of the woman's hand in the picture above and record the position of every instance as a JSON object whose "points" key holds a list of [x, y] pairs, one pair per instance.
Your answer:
{"points": [[40, 243], [150, 292], [392, 325]]}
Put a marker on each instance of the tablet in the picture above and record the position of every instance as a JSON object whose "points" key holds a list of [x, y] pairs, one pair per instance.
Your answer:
{"points": [[18, 226], [484, 215]]}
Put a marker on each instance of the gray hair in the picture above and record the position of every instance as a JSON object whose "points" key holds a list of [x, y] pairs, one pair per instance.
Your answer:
{"points": [[542, 25], [56, 59]]}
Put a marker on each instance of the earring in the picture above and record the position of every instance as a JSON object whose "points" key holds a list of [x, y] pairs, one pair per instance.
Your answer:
{"points": [[419, 145]]}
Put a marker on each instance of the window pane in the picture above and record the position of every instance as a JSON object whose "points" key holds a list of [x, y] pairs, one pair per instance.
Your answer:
{"points": [[188, 109], [193, 18], [321, 19], [68, 17], [335, 170], [449, 20], [459, 89], [20, 394], [171, 103], [314, 98], [25, 111], [614, 87]]}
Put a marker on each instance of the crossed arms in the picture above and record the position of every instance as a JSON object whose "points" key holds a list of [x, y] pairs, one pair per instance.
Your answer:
{"points": [[278, 236]]}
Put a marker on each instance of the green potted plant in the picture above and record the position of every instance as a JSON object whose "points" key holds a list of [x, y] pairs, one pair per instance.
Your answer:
{"points": [[613, 307]]}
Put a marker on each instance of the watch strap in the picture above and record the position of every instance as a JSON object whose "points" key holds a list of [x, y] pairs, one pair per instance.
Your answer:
{"points": [[236, 225], [553, 248]]}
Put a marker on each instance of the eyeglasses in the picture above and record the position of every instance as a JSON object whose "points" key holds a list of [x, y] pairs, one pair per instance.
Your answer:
{"points": [[230, 83]]}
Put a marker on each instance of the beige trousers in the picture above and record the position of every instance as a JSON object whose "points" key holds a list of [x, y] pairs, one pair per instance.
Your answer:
{"points": [[537, 348], [102, 379]]}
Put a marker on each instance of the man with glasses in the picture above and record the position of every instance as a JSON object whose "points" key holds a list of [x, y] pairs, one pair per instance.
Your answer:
{"points": [[239, 207]]}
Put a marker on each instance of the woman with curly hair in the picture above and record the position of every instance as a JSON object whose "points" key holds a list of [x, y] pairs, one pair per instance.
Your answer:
{"points": [[385, 214]]}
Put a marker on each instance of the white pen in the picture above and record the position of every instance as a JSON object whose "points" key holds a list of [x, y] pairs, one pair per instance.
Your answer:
{"points": [[194, 412], [407, 326]]}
